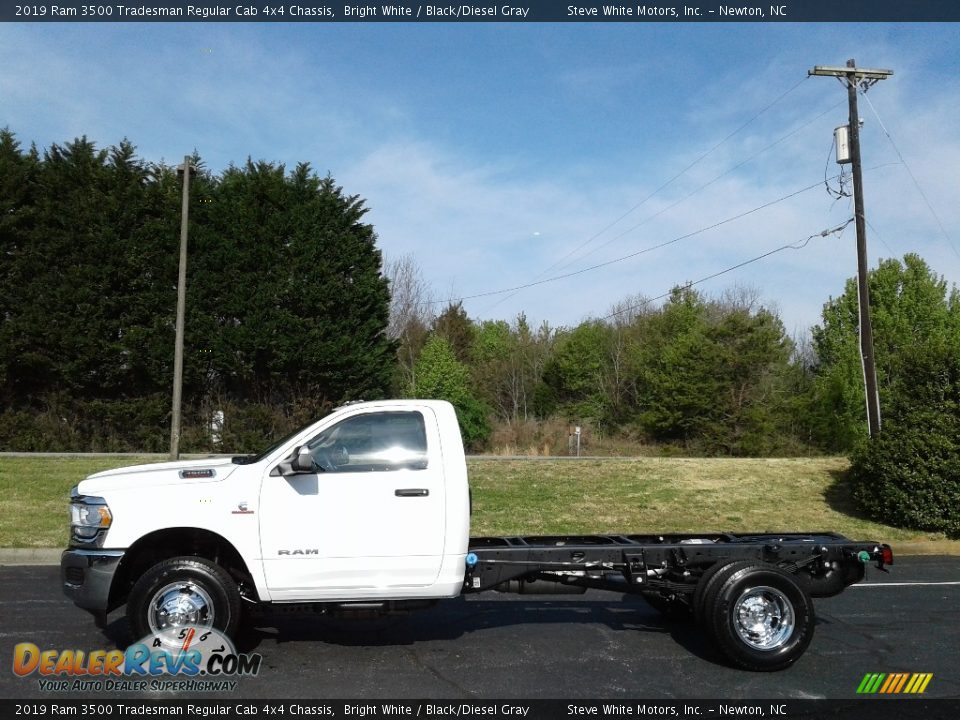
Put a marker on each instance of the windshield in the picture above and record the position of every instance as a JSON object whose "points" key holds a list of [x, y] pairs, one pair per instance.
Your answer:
{"points": [[250, 459]]}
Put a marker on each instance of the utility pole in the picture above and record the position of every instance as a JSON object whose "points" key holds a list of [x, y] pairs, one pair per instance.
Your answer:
{"points": [[185, 170], [853, 77]]}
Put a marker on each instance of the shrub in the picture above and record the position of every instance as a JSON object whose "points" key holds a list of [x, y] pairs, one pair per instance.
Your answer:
{"points": [[909, 475]]}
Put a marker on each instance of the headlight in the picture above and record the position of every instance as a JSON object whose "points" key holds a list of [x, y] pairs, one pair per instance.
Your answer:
{"points": [[90, 517]]}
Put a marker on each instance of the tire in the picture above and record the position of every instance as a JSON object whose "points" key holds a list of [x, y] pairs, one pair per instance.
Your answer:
{"points": [[759, 616], [193, 590], [708, 582]]}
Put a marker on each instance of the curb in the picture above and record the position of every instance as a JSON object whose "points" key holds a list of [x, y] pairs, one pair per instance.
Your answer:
{"points": [[30, 556]]}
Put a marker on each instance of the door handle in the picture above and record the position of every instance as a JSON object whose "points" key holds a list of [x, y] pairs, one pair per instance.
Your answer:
{"points": [[411, 492]]}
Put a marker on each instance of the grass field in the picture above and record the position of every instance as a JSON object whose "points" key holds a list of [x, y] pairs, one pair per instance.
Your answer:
{"points": [[527, 497]]}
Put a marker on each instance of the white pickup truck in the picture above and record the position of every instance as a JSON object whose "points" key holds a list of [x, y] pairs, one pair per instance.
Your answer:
{"points": [[368, 510]]}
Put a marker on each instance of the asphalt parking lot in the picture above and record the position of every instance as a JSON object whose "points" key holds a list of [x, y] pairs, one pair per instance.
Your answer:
{"points": [[599, 645]]}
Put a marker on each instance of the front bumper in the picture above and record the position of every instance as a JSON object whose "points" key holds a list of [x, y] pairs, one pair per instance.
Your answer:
{"points": [[87, 576]]}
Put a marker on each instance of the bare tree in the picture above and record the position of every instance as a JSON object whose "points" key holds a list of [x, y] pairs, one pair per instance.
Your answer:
{"points": [[411, 311], [740, 297], [625, 312]]}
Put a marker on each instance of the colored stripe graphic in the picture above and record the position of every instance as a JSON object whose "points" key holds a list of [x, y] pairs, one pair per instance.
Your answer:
{"points": [[894, 683], [871, 682], [899, 687]]}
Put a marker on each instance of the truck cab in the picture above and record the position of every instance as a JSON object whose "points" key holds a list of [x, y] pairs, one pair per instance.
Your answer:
{"points": [[368, 505]]}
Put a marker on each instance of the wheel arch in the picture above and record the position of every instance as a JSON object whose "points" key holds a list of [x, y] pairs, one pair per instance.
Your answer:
{"points": [[160, 545]]}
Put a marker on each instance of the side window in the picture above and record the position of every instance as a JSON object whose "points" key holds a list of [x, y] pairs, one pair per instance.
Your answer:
{"points": [[373, 441]]}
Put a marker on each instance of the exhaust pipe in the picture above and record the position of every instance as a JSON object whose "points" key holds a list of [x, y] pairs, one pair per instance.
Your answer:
{"points": [[539, 587]]}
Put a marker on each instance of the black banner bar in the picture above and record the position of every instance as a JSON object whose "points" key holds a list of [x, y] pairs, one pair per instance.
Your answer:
{"points": [[481, 11], [874, 708]]}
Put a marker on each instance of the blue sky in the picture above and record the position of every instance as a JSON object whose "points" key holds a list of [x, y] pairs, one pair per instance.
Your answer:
{"points": [[499, 154]]}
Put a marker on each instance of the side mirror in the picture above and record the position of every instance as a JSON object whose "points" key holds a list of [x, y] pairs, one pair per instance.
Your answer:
{"points": [[303, 460], [301, 463]]}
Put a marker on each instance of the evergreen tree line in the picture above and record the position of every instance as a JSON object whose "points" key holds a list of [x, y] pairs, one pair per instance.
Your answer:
{"points": [[286, 301]]}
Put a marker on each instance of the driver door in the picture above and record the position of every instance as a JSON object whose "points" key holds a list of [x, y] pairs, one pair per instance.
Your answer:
{"points": [[368, 520]]}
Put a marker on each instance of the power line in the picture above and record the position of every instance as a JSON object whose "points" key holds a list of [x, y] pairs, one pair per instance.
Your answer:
{"points": [[631, 255], [792, 246], [880, 238], [679, 174], [912, 176], [559, 263], [712, 181]]}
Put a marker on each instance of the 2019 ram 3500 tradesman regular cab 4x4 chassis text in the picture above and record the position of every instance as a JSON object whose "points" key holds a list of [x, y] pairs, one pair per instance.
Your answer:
{"points": [[369, 509]]}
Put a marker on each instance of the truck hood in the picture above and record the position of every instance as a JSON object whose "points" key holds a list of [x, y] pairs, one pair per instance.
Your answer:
{"points": [[182, 472]]}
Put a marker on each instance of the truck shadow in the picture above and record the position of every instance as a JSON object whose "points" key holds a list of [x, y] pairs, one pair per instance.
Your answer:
{"points": [[459, 617]]}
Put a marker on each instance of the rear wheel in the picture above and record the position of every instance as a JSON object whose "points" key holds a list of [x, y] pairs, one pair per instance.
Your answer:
{"points": [[711, 577], [759, 616], [182, 592]]}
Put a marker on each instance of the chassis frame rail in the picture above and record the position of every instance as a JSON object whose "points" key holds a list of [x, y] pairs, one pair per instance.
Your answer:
{"points": [[826, 562]]}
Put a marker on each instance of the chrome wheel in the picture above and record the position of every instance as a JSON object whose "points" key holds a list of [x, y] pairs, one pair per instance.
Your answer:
{"points": [[183, 592], [179, 604], [763, 618]]}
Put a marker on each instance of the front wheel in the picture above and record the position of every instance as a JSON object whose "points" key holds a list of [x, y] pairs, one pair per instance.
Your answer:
{"points": [[181, 592], [760, 617]]}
